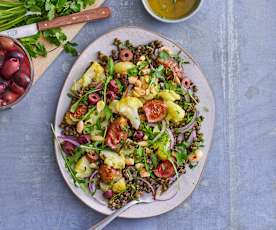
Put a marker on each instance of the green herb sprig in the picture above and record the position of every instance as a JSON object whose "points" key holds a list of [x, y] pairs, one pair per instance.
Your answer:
{"points": [[23, 12]]}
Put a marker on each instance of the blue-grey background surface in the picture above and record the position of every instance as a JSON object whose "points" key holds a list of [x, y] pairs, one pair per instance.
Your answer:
{"points": [[234, 42]]}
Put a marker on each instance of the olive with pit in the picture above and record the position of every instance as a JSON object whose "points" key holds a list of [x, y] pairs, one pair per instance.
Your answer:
{"points": [[10, 97], [10, 67], [21, 79], [6, 43], [16, 88], [16, 54]]}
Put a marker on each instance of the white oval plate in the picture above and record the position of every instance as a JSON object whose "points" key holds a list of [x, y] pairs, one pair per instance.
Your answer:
{"points": [[189, 180]]}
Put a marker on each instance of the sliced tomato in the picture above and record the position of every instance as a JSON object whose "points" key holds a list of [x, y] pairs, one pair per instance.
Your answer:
{"points": [[164, 170], [155, 110]]}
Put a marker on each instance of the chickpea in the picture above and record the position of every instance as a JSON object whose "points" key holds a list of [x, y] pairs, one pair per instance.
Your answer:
{"points": [[80, 126], [132, 80]]}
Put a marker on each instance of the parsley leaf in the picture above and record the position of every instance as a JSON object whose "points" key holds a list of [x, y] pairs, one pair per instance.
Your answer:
{"points": [[55, 36], [34, 47], [69, 47]]}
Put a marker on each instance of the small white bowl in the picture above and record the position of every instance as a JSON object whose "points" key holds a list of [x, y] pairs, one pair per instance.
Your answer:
{"points": [[153, 14]]}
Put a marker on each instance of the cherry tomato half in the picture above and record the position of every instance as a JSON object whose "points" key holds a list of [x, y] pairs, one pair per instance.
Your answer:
{"points": [[155, 110], [164, 170]]}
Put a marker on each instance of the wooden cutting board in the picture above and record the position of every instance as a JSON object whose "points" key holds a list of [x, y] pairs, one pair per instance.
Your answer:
{"points": [[42, 63]]}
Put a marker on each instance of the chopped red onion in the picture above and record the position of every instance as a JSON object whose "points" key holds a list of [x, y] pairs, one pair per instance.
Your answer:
{"points": [[70, 139]]}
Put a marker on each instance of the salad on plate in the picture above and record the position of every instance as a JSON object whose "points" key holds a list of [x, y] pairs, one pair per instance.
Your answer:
{"points": [[133, 125]]}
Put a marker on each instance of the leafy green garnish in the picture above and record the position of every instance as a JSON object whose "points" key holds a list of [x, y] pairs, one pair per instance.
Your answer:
{"points": [[107, 112], [69, 47], [180, 61], [108, 79], [157, 73], [164, 55], [147, 130], [90, 147], [120, 85], [33, 45], [181, 154], [110, 66], [154, 160], [142, 64], [58, 38], [23, 12], [132, 72], [88, 114], [170, 85], [83, 98], [139, 154]]}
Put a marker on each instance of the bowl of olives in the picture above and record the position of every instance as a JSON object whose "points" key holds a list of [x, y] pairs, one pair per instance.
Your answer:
{"points": [[16, 72]]}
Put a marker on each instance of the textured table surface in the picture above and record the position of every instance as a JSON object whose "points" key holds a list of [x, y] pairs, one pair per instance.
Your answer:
{"points": [[234, 41]]}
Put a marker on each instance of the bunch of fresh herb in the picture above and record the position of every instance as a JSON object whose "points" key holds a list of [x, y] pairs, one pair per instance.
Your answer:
{"points": [[22, 12]]}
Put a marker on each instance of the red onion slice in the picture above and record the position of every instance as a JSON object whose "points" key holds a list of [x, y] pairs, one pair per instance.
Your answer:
{"points": [[189, 125], [148, 184], [172, 139], [191, 137], [128, 89], [91, 185], [72, 140]]}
